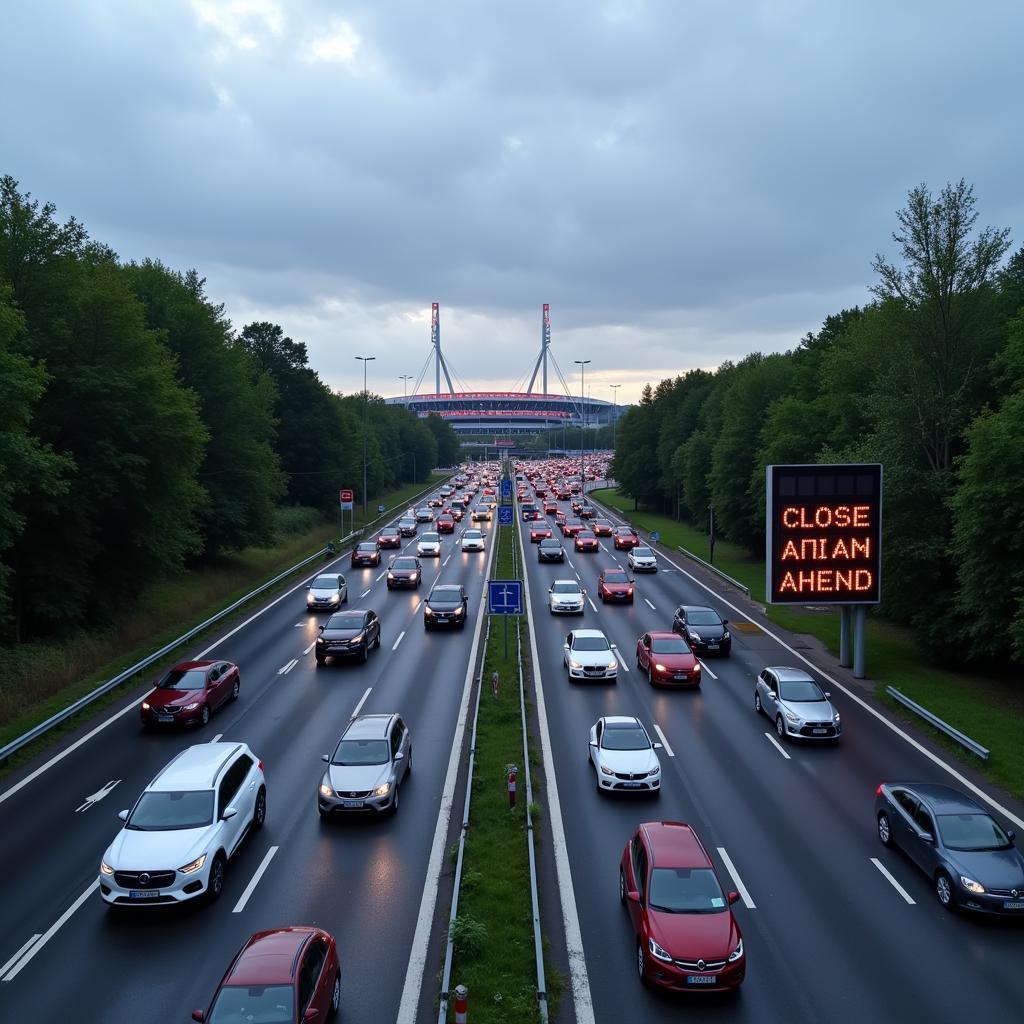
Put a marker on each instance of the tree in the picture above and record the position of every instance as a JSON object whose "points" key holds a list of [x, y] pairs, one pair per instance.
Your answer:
{"points": [[447, 440]]}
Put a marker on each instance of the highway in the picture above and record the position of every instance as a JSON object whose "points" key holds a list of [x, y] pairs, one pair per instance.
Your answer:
{"points": [[828, 935]]}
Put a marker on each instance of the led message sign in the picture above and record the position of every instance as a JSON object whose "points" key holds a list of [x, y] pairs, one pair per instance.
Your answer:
{"points": [[824, 533]]}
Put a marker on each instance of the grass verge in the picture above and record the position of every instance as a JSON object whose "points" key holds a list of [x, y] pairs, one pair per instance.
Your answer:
{"points": [[987, 709]]}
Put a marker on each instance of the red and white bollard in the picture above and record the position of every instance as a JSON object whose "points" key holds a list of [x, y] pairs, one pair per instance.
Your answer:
{"points": [[513, 772], [494, 683], [461, 1004]]}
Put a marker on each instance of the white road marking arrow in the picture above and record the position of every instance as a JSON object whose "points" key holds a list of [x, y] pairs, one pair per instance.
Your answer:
{"points": [[95, 798]]}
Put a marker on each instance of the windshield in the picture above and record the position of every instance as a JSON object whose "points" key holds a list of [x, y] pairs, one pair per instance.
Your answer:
{"points": [[686, 891], [565, 588], [550, 542], [589, 643], [325, 583], [971, 832], [703, 618], [353, 752], [613, 577], [345, 621], [403, 563], [368, 546], [586, 535], [429, 538], [445, 594], [407, 522], [187, 679], [162, 812], [800, 691], [624, 737], [643, 553], [259, 1004], [669, 645]]}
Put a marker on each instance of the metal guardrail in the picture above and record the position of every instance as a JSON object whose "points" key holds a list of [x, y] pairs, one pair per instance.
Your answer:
{"points": [[972, 745], [718, 572]]}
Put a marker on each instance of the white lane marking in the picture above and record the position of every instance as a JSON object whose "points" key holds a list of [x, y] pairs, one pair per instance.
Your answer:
{"points": [[649, 605], [622, 661], [705, 668], [298, 625], [896, 885], [571, 566], [445, 562], [888, 723], [664, 740], [778, 746], [17, 956], [365, 592], [49, 933], [217, 737], [381, 576], [737, 881], [306, 650], [398, 641], [285, 669], [603, 548], [95, 798], [254, 881], [409, 1004], [362, 701], [594, 606]]}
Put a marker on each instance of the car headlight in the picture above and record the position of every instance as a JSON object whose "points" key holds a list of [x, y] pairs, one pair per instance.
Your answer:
{"points": [[605, 770], [105, 868], [191, 707], [391, 575], [736, 953], [382, 790], [693, 636], [655, 771], [310, 598], [326, 790], [145, 705], [459, 611], [611, 664], [660, 668], [336, 596], [415, 576], [575, 664], [320, 640], [971, 885], [835, 718], [657, 951], [725, 634], [357, 639], [428, 611], [791, 718], [195, 865]]}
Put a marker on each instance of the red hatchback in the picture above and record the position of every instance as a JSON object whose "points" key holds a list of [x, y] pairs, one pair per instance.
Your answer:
{"points": [[615, 585], [538, 532], [188, 693], [667, 659], [601, 527], [389, 538], [445, 524], [286, 975], [686, 936], [585, 541], [626, 538]]}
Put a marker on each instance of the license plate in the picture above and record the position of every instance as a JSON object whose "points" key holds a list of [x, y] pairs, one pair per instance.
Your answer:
{"points": [[165, 718], [1013, 906], [352, 803], [820, 732], [712, 646], [701, 979], [143, 894], [442, 618], [680, 675], [632, 785]]}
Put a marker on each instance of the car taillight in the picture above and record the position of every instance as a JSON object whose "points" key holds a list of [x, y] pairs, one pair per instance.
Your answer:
{"points": [[260, 766], [878, 792]]}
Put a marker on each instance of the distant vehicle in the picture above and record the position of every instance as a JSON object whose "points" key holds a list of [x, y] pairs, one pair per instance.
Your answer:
{"points": [[447, 605], [472, 540], [642, 559], [481, 513], [625, 537], [407, 527], [624, 757], [390, 538], [703, 629], [586, 512], [686, 935], [614, 585], [550, 508], [365, 553], [539, 532], [435, 502], [328, 590], [601, 528], [797, 704], [429, 545], [550, 550], [565, 596], [404, 571], [587, 654], [424, 514], [571, 527], [586, 542], [530, 512], [194, 814], [446, 523], [367, 767], [282, 975], [190, 692], [968, 855], [667, 660], [348, 634]]}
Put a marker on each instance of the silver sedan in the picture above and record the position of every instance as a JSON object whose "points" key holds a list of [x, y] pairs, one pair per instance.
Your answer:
{"points": [[797, 705]]}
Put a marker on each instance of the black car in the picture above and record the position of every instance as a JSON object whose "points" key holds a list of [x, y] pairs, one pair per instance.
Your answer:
{"points": [[550, 550], [366, 553], [703, 629], [404, 571], [447, 605], [969, 857], [348, 634], [407, 527]]}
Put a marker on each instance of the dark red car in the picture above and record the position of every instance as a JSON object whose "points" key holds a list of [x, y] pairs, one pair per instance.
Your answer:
{"points": [[445, 524], [584, 540], [601, 527], [435, 503], [286, 974], [540, 492], [365, 553], [190, 692], [626, 538], [457, 514], [614, 585], [538, 532], [586, 512], [571, 526], [389, 538], [686, 935], [550, 508], [667, 660]]}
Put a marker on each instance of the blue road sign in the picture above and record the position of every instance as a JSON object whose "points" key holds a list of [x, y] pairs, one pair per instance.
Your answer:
{"points": [[655, 536], [505, 597], [506, 515], [506, 487]]}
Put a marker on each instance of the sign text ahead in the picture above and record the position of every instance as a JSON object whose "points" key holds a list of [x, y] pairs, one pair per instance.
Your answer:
{"points": [[824, 527]]}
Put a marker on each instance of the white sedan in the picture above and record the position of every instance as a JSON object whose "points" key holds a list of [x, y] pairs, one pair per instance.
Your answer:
{"points": [[566, 597], [623, 756], [642, 559], [587, 654], [472, 540], [429, 545]]}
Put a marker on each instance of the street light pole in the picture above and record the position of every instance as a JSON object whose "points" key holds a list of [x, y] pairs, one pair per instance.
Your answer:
{"points": [[405, 378], [615, 414], [366, 411], [582, 363]]}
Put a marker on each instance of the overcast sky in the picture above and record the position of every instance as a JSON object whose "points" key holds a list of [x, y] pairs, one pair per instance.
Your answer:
{"points": [[685, 182]]}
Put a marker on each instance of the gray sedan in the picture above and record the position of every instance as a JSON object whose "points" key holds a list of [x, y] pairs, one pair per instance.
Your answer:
{"points": [[797, 705]]}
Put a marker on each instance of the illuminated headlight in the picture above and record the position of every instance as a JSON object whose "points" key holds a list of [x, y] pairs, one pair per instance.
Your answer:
{"points": [[792, 719], [336, 596], [310, 598], [736, 953], [971, 885], [575, 664], [105, 868], [658, 952], [320, 640], [725, 634], [660, 668], [326, 790], [459, 611], [415, 576], [191, 707], [145, 705], [194, 866], [391, 575], [382, 790], [428, 611], [605, 770], [835, 718], [611, 664]]}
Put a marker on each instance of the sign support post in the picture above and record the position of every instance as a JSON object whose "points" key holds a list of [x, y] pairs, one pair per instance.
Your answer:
{"points": [[859, 617], [845, 633]]}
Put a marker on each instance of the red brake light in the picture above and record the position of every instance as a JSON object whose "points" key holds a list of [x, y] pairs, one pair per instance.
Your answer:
{"points": [[878, 792], [261, 764]]}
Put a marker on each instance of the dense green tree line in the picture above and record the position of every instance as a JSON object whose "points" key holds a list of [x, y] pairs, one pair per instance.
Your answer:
{"points": [[139, 434], [927, 379]]}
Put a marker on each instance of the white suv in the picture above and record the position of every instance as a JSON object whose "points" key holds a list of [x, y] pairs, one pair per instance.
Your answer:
{"points": [[188, 822], [588, 655], [429, 545]]}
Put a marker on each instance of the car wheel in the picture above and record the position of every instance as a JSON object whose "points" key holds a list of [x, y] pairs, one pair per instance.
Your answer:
{"points": [[234, 689], [215, 885], [944, 890], [641, 962], [259, 812], [622, 887], [366, 651], [377, 641], [757, 703], [408, 762], [204, 717], [336, 995], [394, 803], [780, 729], [344, 600], [650, 674], [884, 829]]}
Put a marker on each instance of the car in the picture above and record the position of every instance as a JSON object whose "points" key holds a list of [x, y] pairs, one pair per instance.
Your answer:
{"points": [[970, 858], [190, 692], [571, 526], [530, 512], [365, 553], [424, 514], [601, 527], [466, 499], [625, 537], [539, 532], [623, 756], [390, 537], [407, 527], [565, 596], [429, 545], [686, 935], [194, 814], [586, 512], [446, 523], [703, 629], [576, 505], [563, 493], [367, 767], [614, 585], [797, 705], [540, 493], [550, 508], [457, 514], [481, 513], [348, 634], [642, 559], [585, 541], [445, 491], [550, 550], [289, 975], [447, 605], [588, 654], [435, 502], [667, 660], [327, 591], [404, 571], [472, 540]]}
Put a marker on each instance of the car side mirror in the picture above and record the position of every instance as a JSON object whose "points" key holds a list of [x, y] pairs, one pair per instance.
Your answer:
{"points": [[926, 837], [772, 695], [399, 756], [198, 1015], [733, 897], [827, 694], [657, 746], [633, 896], [229, 813], [593, 743], [123, 815], [631, 580], [1011, 834], [325, 757], [725, 622]]}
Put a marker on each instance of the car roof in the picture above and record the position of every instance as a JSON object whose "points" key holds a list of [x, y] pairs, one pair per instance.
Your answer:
{"points": [[589, 632], [698, 608], [184, 666], [351, 611], [621, 720], [575, 583], [663, 634], [785, 673], [270, 957], [195, 767], [942, 799], [446, 586], [674, 844], [368, 727]]}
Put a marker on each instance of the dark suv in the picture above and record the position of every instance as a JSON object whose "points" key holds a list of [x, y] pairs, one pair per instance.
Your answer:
{"points": [[348, 634], [447, 605], [703, 629], [404, 571]]}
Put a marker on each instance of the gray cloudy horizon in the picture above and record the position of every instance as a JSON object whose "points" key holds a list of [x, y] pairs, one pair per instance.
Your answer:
{"points": [[684, 184]]}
